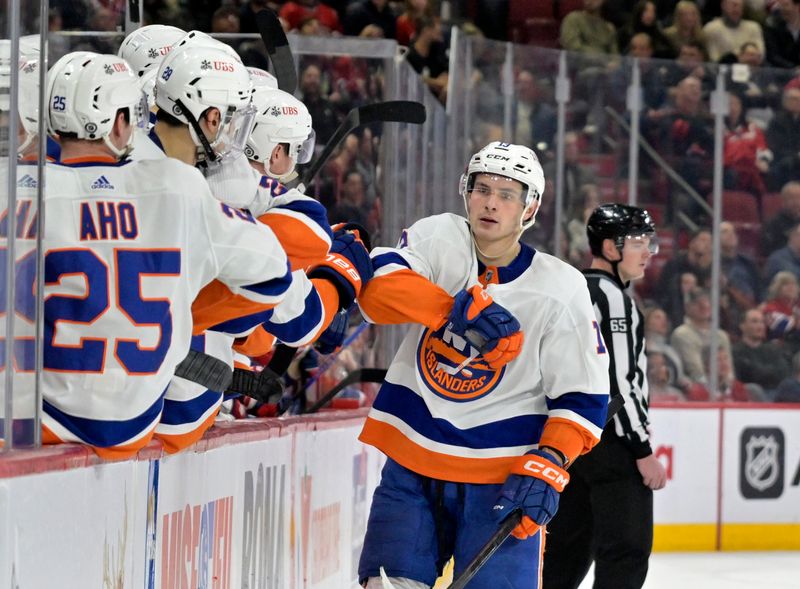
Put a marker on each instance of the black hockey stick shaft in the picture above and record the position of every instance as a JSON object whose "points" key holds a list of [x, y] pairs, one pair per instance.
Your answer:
{"points": [[277, 45], [359, 375], [511, 522], [393, 111]]}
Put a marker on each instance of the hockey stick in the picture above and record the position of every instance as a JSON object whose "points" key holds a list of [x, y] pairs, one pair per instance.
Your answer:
{"points": [[358, 375], [511, 522], [394, 111], [277, 45]]}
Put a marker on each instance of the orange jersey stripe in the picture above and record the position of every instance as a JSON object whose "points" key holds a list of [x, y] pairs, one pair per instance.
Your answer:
{"points": [[256, 344], [568, 437], [112, 453], [176, 443], [303, 247], [391, 441], [388, 300], [216, 303]]}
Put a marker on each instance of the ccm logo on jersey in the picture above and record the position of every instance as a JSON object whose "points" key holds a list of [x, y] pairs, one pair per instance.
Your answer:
{"points": [[557, 477]]}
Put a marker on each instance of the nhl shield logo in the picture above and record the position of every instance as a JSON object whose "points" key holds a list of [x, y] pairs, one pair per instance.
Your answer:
{"points": [[761, 453]]}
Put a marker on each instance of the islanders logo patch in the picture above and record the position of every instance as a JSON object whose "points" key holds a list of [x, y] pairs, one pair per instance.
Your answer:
{"points": [[453, 369]]}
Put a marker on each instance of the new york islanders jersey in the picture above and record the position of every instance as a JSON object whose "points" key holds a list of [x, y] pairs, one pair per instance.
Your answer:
{"points": [[301, 226], [442, 411], [128, 247]]}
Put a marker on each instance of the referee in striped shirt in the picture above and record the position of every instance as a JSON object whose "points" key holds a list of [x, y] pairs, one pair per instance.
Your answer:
{"points": [[606, 511]]}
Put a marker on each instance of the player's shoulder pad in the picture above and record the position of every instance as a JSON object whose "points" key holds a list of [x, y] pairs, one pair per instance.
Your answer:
{"points": [[445, 226], [561, 276]]}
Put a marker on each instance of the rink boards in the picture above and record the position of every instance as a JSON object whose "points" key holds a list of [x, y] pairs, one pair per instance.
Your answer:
{"points": [[733, 477], [282, 504]]}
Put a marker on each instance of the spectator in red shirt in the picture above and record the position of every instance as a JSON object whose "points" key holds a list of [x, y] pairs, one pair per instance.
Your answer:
{"points": [[295, 13], [406, 24], [746, 156]]}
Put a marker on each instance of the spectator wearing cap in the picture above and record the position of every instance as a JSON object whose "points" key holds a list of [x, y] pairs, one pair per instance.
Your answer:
{"points": [[787, 258], [693, 337], [757, 360]]}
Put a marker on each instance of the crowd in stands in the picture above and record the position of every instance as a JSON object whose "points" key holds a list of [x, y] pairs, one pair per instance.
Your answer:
{"points": [[678, 44]]}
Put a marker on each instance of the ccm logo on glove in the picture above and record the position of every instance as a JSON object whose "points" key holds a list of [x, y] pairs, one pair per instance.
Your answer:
{"points": [[342, 263], [542, 469], [557, 477]]}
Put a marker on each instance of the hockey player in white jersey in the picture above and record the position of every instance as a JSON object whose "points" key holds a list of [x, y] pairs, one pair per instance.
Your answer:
{"points": [[199, 85], [144, 49], [500, 382], [128, 247]]}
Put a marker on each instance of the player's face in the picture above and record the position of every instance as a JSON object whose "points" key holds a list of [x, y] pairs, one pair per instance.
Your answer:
{"points": [[635, 256], [495, 208]]}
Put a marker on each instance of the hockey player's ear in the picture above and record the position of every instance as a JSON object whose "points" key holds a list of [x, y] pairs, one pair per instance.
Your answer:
{"points": [[530, 211], [210, 122], [122, 129]]}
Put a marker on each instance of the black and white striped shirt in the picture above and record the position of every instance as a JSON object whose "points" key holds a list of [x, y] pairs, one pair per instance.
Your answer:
{"points": [[622, 326]]}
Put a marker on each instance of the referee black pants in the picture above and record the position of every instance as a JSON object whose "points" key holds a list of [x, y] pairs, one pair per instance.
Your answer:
{"points": [[605, 515]]}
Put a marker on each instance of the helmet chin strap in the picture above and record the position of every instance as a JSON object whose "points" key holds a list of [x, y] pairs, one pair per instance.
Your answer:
{"points": [[282, 178], [615, 267], [198, 137], [120, 153]]}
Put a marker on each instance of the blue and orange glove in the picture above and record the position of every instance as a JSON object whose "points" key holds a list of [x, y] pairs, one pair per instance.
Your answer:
{"points": [[534, 485], [491, 328], [334, 335], [347, 266]]}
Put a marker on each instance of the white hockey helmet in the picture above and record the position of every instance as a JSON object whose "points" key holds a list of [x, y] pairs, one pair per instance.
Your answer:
{"points": [[144, 49], [84, 92], [28, 103], [262, 79], [280, 118], [193, 79], [517, 162], [201, 39]]}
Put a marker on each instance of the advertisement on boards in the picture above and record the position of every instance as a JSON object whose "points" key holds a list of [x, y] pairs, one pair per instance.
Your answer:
{"points": [[221, 521], [335, 478], [761, 480], [678, 438]]}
